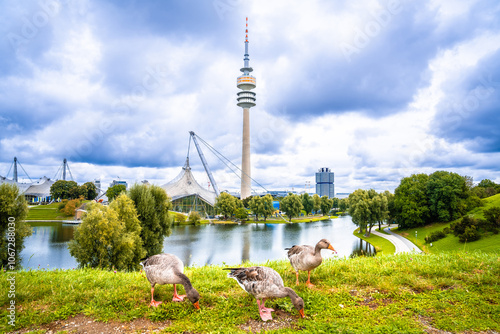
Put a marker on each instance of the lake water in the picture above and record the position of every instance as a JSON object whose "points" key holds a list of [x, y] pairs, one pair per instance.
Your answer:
{"points": [[209, 244]]}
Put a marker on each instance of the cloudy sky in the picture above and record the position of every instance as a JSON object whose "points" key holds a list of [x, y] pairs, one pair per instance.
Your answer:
{"points": [[374, 89]]}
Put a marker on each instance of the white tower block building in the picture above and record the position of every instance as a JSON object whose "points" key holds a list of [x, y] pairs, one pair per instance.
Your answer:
{"points": [[246, 100]]}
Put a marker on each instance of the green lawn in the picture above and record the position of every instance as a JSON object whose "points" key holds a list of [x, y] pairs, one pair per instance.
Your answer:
{"points": [[489, 243], [382, 246], [404, 293], [46, 212]]}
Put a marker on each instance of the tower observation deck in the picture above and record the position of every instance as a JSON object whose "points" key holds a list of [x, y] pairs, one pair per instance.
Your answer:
{"points": [[246, 100]]}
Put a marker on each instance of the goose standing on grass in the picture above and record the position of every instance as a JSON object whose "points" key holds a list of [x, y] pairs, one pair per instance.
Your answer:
{"points": [[264, 283], [168, 269], [306, 258]]}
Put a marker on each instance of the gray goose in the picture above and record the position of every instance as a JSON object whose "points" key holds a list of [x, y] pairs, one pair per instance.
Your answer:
{"points": [[168, 269], [264, 283], [306, 258]]}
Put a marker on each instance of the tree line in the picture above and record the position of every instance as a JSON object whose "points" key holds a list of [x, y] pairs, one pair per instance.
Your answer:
{"points": [[420, 199], [262, 207]]}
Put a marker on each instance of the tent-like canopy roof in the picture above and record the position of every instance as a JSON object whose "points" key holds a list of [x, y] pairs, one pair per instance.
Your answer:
{"points": [[40, 188], [185, 185]]}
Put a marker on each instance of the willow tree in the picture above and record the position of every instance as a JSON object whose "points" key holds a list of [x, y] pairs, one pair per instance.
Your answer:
{"points": [[152, 204], [13, 228], [109, 236]]}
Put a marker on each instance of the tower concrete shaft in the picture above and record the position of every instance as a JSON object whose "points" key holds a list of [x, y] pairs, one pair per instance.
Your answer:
{"points": [[246, 179], [246, 100]]}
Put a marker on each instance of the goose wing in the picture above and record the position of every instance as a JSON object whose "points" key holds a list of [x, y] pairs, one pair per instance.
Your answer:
{"points": [[163, 268], [261, 282], [299, 250]]}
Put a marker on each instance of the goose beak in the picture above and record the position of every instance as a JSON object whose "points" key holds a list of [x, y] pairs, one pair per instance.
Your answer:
{"points": [[196, 305], [302, 313], [330, 247]]}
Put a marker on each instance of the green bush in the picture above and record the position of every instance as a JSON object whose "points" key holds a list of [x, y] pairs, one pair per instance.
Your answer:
{"points": [[434, 236], [194, 218], [470, 234]]}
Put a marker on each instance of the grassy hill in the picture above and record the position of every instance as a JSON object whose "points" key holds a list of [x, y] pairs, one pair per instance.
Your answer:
{"points": [[46, 212], [404, 293], [490, 243]]}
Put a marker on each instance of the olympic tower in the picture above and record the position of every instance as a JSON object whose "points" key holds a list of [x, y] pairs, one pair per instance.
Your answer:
{"points": [[246, 100]]}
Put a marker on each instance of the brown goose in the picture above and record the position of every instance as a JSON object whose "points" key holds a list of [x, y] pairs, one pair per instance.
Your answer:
{"points": [[168, 269], [306, 258], [264, 283]]}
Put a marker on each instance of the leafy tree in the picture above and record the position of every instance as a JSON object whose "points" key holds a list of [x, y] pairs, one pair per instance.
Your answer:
{"points": [[446, 193], [266, 209], [335, 203], [307, 203], [262, 206], [109, 236], [487, 183], [317, 203], [114, 191], [241, 213], [91, 191], [391, 208], [291, 205], [127, 213], [359, 209], [13, 228], [226, 204], [254, 204], [410, 201], [64, 190], [246, 201], [380, 209], [78, 191], [152, 204], [194, 218], [343, 204], [326, 205]]}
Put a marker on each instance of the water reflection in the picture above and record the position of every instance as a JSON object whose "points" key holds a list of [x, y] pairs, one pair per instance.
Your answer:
{"points": [[210, 244]]}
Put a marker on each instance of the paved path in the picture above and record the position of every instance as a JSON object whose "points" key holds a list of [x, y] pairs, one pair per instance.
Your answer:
{"points": [[402, 244]]}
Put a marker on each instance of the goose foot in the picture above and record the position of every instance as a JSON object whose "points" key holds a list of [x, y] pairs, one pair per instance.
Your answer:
{"points": [[155, 303], [178, 298], [265, 312], [265, 315]]}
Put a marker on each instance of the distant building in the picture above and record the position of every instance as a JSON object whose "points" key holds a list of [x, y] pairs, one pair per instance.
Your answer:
{"points": [[97, 184], [115, 182], [325, 183]]}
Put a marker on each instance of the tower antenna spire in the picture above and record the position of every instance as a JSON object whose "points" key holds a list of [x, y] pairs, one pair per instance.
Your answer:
{"points": [[246, 100]]}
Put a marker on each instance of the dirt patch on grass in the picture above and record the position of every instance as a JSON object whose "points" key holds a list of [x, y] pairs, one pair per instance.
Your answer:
{"points": [[280, 320], [83, 324]]}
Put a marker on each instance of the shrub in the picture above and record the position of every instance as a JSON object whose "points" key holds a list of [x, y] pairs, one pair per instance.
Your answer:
{"points": [[71, 206], [241, 213], [194, 218], [434, 236], [62, 204], [470, 234], [460, 226]]}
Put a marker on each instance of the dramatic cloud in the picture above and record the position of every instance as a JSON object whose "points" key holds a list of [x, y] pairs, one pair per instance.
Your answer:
{"points": [[374, 89]]}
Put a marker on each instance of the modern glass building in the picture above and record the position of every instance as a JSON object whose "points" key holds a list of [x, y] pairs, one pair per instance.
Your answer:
{"points": [[325, 182]]}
